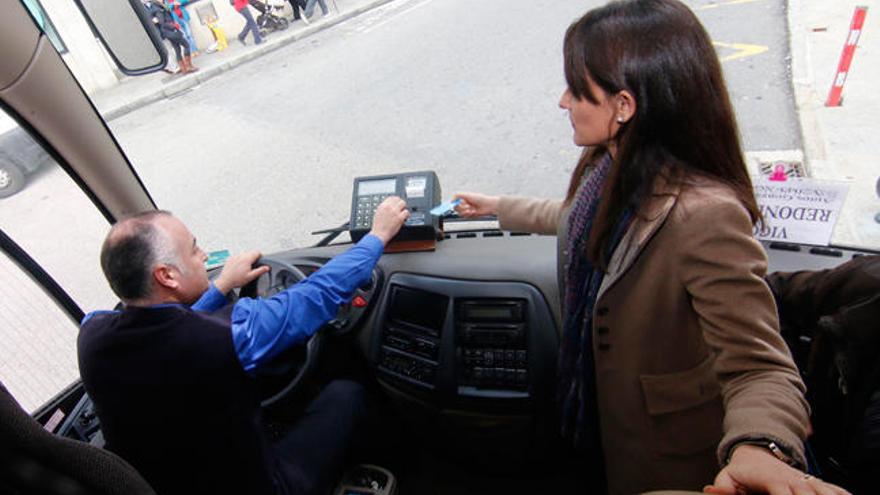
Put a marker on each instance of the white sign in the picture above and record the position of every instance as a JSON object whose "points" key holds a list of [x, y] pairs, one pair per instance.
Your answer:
{"points": [[798, 210]]}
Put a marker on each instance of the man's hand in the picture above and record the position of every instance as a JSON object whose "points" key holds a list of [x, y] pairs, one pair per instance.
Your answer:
{"points": [[753, 469], [238, 271], [476, 204], [389, 217]]}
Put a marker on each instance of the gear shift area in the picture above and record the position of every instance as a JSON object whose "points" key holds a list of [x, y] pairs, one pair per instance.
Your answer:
{"points": [[366, 479]]}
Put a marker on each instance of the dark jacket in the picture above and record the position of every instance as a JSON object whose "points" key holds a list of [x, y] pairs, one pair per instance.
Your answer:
{"points": [[830, 317], [174, 401], [163, 20]]}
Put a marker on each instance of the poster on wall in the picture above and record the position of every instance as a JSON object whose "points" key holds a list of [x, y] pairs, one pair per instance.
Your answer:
{"points": [[798, 210]]}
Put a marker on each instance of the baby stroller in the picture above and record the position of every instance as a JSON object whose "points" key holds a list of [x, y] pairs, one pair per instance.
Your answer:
{"points": [[270, 18]]}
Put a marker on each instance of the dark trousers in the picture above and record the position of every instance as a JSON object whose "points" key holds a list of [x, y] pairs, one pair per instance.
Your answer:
{"points": [[249, 25], [312, 455], [177, 42], [297, 5]]}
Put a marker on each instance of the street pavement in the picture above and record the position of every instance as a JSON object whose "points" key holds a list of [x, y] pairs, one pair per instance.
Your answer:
{"points": [[133, 93], [835, 144], [840, 143]]}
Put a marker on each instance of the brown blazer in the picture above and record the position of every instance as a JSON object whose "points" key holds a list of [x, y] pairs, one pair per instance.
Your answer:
{"points": [[689, 358]]}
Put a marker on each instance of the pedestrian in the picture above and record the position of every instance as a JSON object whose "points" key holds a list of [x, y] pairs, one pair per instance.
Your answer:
{"points": [[170, 31], [310, 9], [296, 6], [672, 372], [181, 17], [241, 6]]}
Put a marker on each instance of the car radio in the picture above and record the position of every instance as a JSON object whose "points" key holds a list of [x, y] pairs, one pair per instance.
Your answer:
{"points": [[492, 346], [412, 335]]}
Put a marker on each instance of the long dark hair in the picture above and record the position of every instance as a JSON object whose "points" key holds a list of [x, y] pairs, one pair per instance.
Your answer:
{"points": [[684, 123]]}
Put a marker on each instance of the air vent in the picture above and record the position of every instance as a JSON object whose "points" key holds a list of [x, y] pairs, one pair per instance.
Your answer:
{"points": [[493, 234], [827, 252], [783, 246]]}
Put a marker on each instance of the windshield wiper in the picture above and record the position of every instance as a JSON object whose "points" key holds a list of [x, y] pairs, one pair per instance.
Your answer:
{"points": [[330, 234]]}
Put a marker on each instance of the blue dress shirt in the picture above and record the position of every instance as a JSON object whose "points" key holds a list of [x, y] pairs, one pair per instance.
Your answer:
{"points": [[263, 328]]}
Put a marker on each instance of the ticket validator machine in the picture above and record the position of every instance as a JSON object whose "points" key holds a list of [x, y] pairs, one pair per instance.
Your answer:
{"points": [[420, 190]]}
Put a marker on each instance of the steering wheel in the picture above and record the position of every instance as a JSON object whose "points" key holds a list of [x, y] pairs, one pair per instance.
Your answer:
{"points": [[287, 372]]}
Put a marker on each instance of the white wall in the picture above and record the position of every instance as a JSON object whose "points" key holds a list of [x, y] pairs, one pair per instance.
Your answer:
{"points": [[89, 62], [85, 56]]}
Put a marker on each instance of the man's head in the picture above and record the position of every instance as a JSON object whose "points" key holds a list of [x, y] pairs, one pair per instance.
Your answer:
{"points": [[151, 258]]}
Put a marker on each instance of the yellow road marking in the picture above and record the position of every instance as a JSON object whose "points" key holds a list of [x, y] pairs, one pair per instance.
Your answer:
{"points": [[742, 50], [725, 4]]}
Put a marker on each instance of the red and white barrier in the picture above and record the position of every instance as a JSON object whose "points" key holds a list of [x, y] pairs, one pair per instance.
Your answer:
{"points": [[849, 49]]}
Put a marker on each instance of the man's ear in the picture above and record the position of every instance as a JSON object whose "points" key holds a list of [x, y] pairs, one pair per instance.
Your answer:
{"points": [[166, 276], [625, 106]]}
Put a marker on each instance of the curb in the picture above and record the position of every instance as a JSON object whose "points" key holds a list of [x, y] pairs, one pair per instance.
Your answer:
{"points": [[185, 83], [812, 141]]}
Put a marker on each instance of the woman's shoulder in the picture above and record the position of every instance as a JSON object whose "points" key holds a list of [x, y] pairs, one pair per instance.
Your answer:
{"points": [[704, 198], [705, 189]]}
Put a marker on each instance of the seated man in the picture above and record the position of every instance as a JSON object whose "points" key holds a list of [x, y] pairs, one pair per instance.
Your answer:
{"points": [[171, 374]]}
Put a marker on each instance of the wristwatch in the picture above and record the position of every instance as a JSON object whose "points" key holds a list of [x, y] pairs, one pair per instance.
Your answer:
{"points": [[768, 444]]}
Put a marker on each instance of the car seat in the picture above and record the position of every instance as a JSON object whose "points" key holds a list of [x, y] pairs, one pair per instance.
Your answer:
{"points": [[32, 460]]}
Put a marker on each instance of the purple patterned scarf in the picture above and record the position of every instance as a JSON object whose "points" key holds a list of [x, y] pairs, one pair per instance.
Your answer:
{"points": [[577, 384]]}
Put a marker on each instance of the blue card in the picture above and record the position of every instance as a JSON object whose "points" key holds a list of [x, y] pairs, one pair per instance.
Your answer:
{"points": [[445, 209], [216, 258]]}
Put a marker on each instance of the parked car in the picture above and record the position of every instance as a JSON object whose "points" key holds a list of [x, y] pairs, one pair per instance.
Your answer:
{"points": [[19, 157]]}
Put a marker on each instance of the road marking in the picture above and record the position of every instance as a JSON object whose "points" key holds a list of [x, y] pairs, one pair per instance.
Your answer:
{"points": [[742, 50], [725, 4]]}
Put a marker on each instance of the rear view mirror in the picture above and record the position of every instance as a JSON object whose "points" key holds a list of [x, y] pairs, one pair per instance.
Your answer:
{"points": [[126, 31]]}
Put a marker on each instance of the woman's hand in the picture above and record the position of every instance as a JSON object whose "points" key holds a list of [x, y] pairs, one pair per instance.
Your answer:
{"points": [[476, 204], [753, 469]]}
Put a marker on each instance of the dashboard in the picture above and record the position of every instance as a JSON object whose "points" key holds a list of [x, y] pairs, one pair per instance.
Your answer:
{"points": [[462, 340], [479, 316], [474, 318]]}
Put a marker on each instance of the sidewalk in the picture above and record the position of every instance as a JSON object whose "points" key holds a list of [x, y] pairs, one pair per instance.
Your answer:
{"points": [[135, 92], [840, 142]]}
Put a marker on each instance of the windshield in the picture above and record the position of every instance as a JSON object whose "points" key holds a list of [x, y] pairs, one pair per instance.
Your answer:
{"points": [[260, 147], [256, 145], [399, 88]]}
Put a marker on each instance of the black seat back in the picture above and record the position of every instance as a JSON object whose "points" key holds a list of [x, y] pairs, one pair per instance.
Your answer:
{"points": [[829, 318], [34, 461]]}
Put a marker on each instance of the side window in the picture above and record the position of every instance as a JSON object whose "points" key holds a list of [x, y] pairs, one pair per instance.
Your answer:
{"points": [[45, 23], [49, 218], [37, 339]]}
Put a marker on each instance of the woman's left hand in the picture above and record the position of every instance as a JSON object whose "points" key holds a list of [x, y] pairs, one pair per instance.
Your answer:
{"points": [[753, 469]]}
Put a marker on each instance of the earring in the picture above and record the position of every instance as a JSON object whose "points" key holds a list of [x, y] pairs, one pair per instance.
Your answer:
{"points": [[620, 119]]}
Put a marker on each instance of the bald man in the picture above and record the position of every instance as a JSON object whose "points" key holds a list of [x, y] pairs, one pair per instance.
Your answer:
{"points": [[172, 373]]}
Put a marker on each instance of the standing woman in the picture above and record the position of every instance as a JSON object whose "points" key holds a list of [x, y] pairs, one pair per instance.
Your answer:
{"points": [[169, 30], [181, 16], [671, 360]]}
